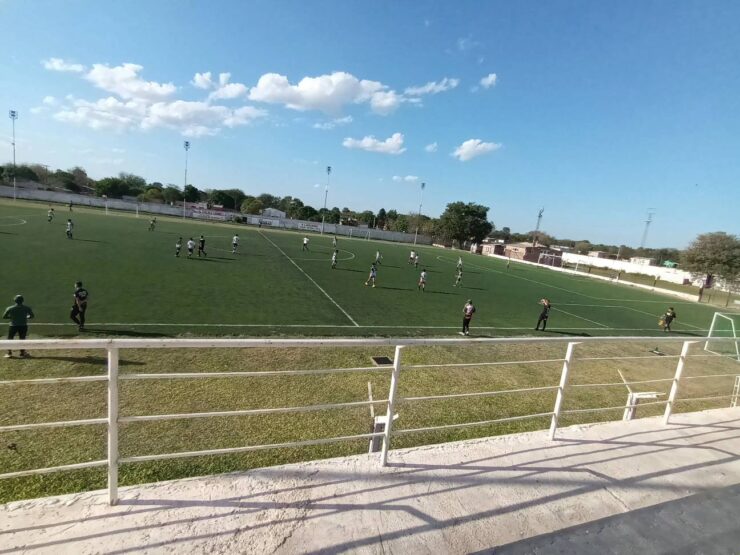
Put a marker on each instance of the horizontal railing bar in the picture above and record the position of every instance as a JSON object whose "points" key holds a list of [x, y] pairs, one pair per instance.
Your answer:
{"points": [[710, 376], [41, 425], [52, 469], [626, 358], [41, 381], [481, 394], [67, 344], [620, 407], [257, 374], [470, 424], [249, 412], [704, 398], [620, 383], [464, 364], [229, 450]]}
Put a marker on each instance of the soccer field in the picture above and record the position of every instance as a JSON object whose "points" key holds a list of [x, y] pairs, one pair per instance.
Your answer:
{"points": [[272, 287]]}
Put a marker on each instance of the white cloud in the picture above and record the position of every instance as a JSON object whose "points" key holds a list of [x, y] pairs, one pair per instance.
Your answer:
{"points": [[433, 87], [106, 113], [327, 125], [49, 101], [392, 145], [57, 64], [229, 91], [202, 81], [472, 148], [125, 82], [38, 109], [118, 150], [466, 43], [431, 147], [488, 81], [326, 93], [407, 179]]}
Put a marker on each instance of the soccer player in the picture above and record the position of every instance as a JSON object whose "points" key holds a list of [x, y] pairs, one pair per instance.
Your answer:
{"points": [[546, 306], [70, 227], [70, 206], [668, 317], [378, 257], [50, 215], [234, 243], [191, 246], [459, 262], [19, 315], [202, 246], [468, 311], [508, 263], [334, 241], [79, 307], [152, 223], [422, 280], [178, 247], [412, 257], [305, 244], [373, 275], [458, 278], [334, 259], [416, 260]]}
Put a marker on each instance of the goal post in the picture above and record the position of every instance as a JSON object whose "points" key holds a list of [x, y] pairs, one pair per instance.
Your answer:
{"points": [[722, 338]]}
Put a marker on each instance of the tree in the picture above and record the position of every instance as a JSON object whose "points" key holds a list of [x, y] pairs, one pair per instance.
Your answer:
{"points": [[307, 213], [366, 217], [191, 194], [715, 254], [543, 238], [269, 201], [134, 183], [152, 194], [80, 178], [171, 194], [582, 247], [463, 222], [382, 216], [111, 187], [253, 206]]}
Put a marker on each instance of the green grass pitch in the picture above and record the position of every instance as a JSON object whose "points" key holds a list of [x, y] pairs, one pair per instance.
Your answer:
{"points": [[272, 287]]}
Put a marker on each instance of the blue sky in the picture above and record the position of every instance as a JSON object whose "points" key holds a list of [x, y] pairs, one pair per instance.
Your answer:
{"points": [[596, 111]]}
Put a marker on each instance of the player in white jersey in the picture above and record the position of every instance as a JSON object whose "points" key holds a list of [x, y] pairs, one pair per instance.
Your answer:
{"points": [[334, 241], [305, 244], [191, 246], [234, 243], [416, 260], [458, 278], [412, 257], [334, 259], [459, 262], [70, 227], [422, 280], [378, 257], [50, 215], [373, 275]]}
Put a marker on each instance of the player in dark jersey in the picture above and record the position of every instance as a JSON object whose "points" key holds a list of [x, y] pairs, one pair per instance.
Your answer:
{"points": [[18, 314], [202, 246], [79, 308], [152, 223], [546, 306]]}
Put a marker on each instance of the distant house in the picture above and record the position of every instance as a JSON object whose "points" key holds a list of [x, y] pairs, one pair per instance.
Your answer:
{"points": [[642, 261], [599, 254], [524, 251], [273, 213], [492, 248]]}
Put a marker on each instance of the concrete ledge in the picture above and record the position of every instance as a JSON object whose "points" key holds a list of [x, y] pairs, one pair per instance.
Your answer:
{"points": [[620, 487]]}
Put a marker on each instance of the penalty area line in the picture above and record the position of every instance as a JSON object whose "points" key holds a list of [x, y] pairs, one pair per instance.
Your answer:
{"points": [[310, 279]]}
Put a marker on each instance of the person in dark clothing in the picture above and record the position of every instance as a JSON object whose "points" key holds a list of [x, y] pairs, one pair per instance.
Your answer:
{"points": [[468, 311], [668, 317], [546, 306], [18, 314], [79, 308]]}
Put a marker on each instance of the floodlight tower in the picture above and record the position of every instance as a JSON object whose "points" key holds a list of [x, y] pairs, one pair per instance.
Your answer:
{"points": [[647, 225], [537, 229], [186, 145], [421, 201], [13, 115], [326, 194]]}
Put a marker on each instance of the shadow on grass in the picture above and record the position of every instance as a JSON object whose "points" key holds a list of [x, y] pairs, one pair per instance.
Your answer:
{"points": [[213, 259], [91, 241], [7, 233], [221, 258], [566, 333], [350, 270], [473, 288]]}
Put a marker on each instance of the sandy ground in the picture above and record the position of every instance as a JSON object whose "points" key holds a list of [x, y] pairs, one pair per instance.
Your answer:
{"points": [[621, 487]]}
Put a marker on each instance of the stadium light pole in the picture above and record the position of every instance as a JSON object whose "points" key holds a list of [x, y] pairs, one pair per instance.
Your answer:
{"points": [[186, 145], [647, 225], [421, 201], [326, 195], [537, 229], [13, 115]]}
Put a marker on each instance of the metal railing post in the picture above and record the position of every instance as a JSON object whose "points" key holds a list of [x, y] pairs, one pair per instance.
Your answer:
{"points": [[391, 401], [561, 388], [676, 380], [112, 425]]}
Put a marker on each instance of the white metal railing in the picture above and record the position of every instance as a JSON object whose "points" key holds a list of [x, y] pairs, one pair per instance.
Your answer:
{"points": [[113, 378]]}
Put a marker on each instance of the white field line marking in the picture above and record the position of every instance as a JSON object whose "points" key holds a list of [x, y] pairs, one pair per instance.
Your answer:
{"points": [[581, 317], [654, 316], [21, 221], [629, 389], [179, 325], [352, 256], [310, 279], [508, 274]]}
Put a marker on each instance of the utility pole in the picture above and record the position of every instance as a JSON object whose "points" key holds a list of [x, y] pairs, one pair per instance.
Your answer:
{"points": [[186, 145], [421, 201], [537, 229], [13, 114], [647, 225], [326, 194]]}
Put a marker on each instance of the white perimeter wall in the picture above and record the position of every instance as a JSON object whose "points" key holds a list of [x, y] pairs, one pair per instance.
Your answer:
{"points": [[672, 275]]}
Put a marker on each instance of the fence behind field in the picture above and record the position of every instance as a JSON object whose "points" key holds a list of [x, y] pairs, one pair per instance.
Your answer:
{"points": [[561, 389]]}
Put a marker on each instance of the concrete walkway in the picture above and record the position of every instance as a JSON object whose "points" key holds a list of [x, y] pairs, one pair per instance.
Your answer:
{"points": [[634, 487]]}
